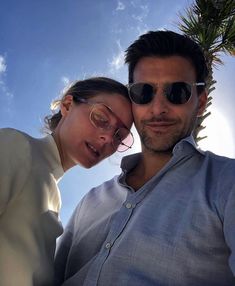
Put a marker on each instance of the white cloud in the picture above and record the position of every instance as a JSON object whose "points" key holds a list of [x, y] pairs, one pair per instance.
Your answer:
{"points": [[3, 65], [65, 80], [4, 90], [3, 87], [117, 61], [139, 10], [120, 6], [144, 11], [133, 4]]}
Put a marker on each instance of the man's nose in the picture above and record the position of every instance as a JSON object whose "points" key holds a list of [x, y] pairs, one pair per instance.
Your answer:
{"points": [[159, 104]]}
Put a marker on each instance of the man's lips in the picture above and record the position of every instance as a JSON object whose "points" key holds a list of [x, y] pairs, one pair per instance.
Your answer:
{"points": [[159, 125]]}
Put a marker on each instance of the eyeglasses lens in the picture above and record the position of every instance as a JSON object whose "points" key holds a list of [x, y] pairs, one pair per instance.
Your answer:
{"points": [[100, 117], [123, 138]]}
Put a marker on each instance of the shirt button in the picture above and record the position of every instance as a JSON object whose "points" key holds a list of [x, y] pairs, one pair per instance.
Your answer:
{"points": [[128, 205], [108, 245]]}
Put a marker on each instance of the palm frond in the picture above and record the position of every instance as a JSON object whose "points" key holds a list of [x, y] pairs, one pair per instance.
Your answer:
{"points": [[211, 23]]}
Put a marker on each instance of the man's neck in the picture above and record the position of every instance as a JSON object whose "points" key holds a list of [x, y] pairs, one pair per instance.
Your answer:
{"points": [[148, 166]]}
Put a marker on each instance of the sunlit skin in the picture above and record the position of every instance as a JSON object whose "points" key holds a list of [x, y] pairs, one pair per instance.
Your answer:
{"points": [[78, 140], [161, 124]]}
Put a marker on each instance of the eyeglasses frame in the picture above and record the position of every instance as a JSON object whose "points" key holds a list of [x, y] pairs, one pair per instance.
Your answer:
{"points": [[85, 101]]}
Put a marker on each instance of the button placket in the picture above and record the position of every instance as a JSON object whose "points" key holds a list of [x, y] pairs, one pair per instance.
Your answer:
{"points": [[128, 205], [108, 245]]}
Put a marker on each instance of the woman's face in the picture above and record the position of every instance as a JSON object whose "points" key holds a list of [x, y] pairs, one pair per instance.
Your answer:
{"points": [[79, 141]]}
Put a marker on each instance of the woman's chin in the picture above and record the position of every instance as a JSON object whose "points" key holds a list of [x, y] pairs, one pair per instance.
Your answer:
{"points": [[87, 164]]}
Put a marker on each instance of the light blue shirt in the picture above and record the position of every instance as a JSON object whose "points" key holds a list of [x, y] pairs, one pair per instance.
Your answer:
{"points": [[176, 230]]}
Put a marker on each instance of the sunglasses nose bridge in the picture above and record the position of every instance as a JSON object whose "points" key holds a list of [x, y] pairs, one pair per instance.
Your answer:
{"points": [[156, 91], [159, 97], [159, 103]]}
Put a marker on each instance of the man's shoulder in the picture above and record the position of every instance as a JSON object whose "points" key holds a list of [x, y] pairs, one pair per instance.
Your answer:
{"points": [[219, 159], [220, 167], [108, 190], [106, 184]]}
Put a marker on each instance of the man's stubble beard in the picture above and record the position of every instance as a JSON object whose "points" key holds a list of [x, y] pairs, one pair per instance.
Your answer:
{"points": [[164, 143], [158, 143]]}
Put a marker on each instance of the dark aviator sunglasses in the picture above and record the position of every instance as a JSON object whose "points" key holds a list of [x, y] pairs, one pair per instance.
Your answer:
{"points": [[175, 92]]}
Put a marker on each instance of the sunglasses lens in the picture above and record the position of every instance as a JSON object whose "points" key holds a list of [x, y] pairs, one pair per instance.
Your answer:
{"points": [[178, 92], [141, 93]]}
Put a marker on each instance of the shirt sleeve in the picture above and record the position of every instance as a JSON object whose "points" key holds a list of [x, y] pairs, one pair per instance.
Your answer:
{"points": [[64, 246], [62, 252], [228, 203], [14, 165]]}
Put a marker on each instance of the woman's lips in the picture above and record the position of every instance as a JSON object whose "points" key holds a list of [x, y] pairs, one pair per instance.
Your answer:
{"points": [[92, 149]]}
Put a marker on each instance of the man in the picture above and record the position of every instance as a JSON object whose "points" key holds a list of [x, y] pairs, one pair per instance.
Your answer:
{"points": [[169, 218]]}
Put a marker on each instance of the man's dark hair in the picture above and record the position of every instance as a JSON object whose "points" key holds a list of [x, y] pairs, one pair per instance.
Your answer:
{"points": [[164, 44]]}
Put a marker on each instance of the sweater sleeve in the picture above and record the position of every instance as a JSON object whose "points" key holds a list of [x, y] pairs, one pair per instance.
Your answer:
{"points": [[14, 164]]}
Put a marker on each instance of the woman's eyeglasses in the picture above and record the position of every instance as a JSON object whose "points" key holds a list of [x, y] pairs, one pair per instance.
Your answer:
{"points": [[101, 117], [175, 92]]}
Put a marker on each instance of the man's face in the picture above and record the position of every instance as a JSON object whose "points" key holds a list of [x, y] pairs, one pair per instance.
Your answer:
{"points": [[160, 123]]}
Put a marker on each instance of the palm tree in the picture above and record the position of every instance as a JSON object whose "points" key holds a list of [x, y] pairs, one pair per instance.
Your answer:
{"points": [[211, 23]]}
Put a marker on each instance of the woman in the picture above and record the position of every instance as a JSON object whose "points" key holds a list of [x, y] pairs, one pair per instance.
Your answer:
{"points": [[87, 128]]}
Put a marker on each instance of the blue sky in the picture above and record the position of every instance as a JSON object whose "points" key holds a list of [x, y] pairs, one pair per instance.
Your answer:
{"points": [[45, 44]]}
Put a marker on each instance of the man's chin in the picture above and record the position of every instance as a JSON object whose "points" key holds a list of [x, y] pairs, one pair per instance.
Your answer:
{"points": [[161, 146], [158, 149]]}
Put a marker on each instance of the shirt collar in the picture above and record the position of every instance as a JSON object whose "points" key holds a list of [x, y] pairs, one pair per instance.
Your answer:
{"points": [[186, 145], [183, 147]]}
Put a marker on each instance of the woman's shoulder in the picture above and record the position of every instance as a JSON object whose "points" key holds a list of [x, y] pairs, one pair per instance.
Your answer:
{"points": [[14, 144], [12, 137], [15, 164], [11, 133]]}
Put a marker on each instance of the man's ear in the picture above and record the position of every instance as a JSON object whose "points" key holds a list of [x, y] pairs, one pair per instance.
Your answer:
{"points": [[202, 101], [66, 104]]}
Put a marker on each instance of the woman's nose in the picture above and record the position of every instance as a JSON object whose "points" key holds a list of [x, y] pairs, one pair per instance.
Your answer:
{"points": [[106, 136]]}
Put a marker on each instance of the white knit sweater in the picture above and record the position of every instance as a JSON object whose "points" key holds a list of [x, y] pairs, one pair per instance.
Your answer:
{"points": [[29, 204]]}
